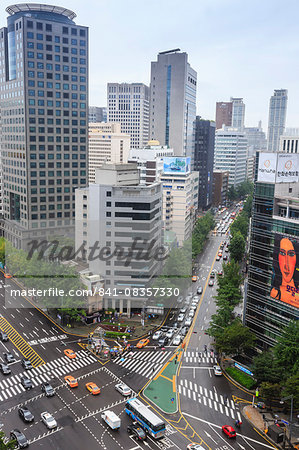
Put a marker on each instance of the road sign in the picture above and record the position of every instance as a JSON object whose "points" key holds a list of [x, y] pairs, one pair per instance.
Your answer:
{"points": [[172, 400], [284, 421]]}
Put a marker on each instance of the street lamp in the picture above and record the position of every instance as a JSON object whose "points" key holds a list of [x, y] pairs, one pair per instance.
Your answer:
{"points": [[289, 397]]}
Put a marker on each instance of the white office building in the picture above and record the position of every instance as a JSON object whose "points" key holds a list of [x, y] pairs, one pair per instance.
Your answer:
{"points": [[238, 112], [277, 118], [289, 142], [231, 153], [128, 104], [149, 161], [256, 139], [106, 144]]}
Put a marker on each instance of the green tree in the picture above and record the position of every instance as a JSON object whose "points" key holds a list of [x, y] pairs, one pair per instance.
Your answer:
{"points": [[245, 188], [270, 392], [241, 223], [237, 247], [2, 250], [291, 387], [286, 350], [229, 285], [220, 321], [247, 208], [232, 194], [236, 339], [6, 444], [265, 368]]}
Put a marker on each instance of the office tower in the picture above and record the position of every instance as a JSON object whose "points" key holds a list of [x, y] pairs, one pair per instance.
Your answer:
{"points": [[173, 101], [106, 144], [220, 187], [272, 293], [128, 104], [230, 154], [224, 112], [289, 142], [120, 212], [203, 159], [149, 161], [238, 112], [277, 118], [97, 114], [256, 139], [44, 109], [180, 197]]}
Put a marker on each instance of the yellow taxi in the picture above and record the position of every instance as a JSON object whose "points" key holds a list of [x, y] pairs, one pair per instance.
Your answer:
{"points": [[142, 343], [93, 388], [69, 353], [71, 381]]}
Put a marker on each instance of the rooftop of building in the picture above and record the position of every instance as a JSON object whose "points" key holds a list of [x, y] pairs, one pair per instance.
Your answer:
{"points": [[39, 7]]}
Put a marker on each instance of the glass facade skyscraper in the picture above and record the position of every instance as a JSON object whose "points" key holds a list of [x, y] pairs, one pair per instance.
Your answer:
{"points": [[277, 118], [44, 112]]}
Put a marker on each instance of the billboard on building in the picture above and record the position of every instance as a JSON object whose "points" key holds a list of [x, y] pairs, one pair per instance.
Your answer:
{"points": [[285, 278], [267, 167], [287, 168], [173, 164]]}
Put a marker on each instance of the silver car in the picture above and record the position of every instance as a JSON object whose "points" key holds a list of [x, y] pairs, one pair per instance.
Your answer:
{"points": [[48, 420], [123, 389]]}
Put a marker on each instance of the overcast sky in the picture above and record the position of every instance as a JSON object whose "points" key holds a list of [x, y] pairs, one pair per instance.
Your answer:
{"points": [[239, 48]]}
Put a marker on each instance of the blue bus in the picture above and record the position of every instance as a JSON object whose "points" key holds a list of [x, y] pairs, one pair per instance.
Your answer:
{"points": [[146, 418]]}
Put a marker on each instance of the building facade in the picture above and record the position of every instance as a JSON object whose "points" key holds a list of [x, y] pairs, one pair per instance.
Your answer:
{"points": [[230, 154], [256, 139], [277, 118], [272, 294], [224, 113], [128, 104], [289, 143], [173, 101], [203, 160], [238, 112], [150, 161], [220, 187], [97, 114], [44, 113], [106, 144]]}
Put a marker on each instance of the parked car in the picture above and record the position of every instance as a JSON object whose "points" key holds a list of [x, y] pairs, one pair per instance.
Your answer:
{"points": [[157, 335], [25, 414], [188, 322], [19, 437], [48, 420]]}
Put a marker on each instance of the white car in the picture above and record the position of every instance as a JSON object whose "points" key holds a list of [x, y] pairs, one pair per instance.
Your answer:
{"points": [[195, 298], [123, 389], [191, 313], [157, 335], [181, 317], [48, 420], [194, 447], [177, 340], [193, 307], [183, 310], [188, 322], [170, 333], [217, 370]]}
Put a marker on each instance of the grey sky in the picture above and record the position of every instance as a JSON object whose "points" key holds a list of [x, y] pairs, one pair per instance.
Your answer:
{"points": [[239, 48]]}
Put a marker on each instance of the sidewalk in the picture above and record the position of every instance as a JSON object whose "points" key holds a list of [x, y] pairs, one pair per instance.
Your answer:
{"points": [[162, 389]]}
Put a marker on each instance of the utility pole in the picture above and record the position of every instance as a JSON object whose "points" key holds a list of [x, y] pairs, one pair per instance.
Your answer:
{"points": [[289, 397]]}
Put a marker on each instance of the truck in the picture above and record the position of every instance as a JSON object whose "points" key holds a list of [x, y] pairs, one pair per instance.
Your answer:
{"points": [[111, 419]]}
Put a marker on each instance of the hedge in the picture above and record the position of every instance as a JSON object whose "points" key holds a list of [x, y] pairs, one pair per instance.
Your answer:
{"points": [[242, 378], [115, 334]]}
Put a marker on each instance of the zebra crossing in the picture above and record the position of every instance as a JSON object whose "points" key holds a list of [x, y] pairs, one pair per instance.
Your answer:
{"points": [[11, 386], [193, 356], [208, 398], [143, 362]]}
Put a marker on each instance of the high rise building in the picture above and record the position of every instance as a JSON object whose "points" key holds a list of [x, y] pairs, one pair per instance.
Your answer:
{"points": [[273, 287], [106, 144], [277, 118], [97, 114], [220, 187], [256, 139], [224, 112], [230, 154], [238, 112], [203, 159], [128, 104], [150, 161], [173, 101], [44, 113]]}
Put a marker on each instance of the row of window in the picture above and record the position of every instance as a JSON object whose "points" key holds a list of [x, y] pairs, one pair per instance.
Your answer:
{"points": [[58, 103], [50, 121], [58, 182], [58, 112], [56, 156], [57, 48], [52, 173], [48, 66], [48, 27], [56, 85], [57, 58]]}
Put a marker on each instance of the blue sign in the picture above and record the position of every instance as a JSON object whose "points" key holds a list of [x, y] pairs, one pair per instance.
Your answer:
{"points": [[176, 165], [238, 366], [284, 421]]}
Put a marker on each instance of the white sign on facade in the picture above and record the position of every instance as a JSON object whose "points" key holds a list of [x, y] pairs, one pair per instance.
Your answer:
{"points": [[287, 168], [267, 167]]}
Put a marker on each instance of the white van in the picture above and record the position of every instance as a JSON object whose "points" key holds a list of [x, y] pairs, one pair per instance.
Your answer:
{"points": [[111, 419]]}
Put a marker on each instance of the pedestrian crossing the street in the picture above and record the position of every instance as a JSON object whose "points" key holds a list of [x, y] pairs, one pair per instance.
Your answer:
{"points": [[208, 398], [144, 363], [11, 386], [193, 356]]}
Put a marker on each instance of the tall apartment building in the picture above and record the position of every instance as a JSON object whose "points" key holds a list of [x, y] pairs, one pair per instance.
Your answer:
{"points": [[128, 104], [173, 101], [272, 294], [238, 112], [224, 113], [230, 154], [97, 114], [180, 197], [106, 144], [120, 212], [220, 187], [150, 161], [277, 118], [203, 159], [44, 113]]}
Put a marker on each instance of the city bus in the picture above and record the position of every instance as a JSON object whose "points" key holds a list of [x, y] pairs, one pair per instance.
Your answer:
{"points": [[151, 423]]}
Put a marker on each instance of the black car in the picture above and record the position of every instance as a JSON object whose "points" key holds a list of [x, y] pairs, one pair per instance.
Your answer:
{"points": [[48, 390], [137, 432], [184, 331], [9, 357], [18, 436], [3, 336], [25, 414], [26, 382], [163, 341], [26, 364], [5, 369]]}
